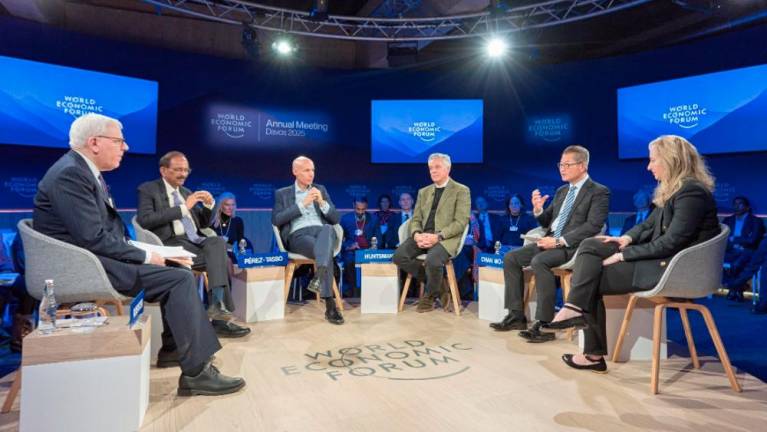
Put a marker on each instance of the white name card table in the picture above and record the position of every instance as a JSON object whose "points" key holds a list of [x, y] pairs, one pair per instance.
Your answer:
{"points": [[638, 342], [259, 293], [380, 288], [96, 381], [491, 294]]}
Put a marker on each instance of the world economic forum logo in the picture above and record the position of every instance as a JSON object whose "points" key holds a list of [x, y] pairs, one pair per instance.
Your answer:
{"points": [[426, 131], [232, 125], [686, 116], [77, 106]]}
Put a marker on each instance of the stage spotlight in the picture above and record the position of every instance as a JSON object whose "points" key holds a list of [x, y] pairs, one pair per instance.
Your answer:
{"points": [[496, 47], [284, 47]]}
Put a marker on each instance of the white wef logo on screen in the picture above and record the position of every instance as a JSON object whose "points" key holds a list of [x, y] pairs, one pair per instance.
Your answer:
{"points": [[424, 130], [77, 106], [231, 124], [686, 116]]}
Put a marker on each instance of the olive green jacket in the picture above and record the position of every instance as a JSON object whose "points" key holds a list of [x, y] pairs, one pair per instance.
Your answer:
{"points": [[452, 217]]}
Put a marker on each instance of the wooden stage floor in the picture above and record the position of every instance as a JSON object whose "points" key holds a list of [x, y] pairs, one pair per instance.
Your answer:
{"points": [[438, 372]]}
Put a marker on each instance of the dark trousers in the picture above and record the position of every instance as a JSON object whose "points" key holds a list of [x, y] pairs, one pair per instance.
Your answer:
{"points": [[541, 261], [187, 329], [432, 269], [211, 254], [317, 243], [591, 281], [350, 273], [737, 278]]}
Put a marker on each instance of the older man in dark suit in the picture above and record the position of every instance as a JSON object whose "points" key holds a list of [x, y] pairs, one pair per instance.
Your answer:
{"points": [[73, 205], [578, 211], [305, 216], [177, 215]]}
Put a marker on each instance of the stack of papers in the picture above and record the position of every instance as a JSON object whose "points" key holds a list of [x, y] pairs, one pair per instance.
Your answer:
{"points": [[164, 251]]}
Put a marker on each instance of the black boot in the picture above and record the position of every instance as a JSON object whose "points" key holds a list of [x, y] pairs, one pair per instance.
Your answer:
{"points": [[331, 312]]}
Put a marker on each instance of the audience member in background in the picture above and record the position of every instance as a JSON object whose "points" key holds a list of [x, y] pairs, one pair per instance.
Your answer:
{"points": [[516, 222], [359, 227], [643, 205], [177, 216], [438, 223], [405, 214], [226, 225], [489, 226], [685, 216], [386, 226], [736, 283], [746, 230]]}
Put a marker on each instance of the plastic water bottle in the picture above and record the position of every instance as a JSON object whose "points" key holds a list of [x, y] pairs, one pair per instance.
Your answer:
{"points": [[242, 245], [497, 247], [47, 311], [373, 243]]}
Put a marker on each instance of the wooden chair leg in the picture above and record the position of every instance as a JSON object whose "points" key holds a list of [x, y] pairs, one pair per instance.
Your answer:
{"points": [[289, 271], [453, 284], [404, 292], [688, 336], [723, 357], [12, 393], [656, 330], [118, 305], [337, 295], [529, 293], [566, 279], [624, 327]]}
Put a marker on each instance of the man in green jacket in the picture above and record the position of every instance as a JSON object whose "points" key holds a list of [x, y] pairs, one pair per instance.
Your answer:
{"points": [[439, 220]]}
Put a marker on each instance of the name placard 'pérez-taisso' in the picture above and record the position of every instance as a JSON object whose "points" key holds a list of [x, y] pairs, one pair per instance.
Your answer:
{"points": [[262, 260]]}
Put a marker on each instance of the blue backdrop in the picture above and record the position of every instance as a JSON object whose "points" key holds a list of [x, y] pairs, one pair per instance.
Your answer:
{"points": [[209, 108]]}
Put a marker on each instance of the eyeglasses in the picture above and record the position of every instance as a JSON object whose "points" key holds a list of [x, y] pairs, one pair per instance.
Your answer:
{"points": [[567, 165], [117, 140], [181, 170]]}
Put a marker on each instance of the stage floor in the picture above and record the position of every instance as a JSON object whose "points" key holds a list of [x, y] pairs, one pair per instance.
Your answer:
{"points": [[438, 372]]}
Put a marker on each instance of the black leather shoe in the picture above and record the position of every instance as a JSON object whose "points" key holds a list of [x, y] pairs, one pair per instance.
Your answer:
{"points": [[314, 284], [535, 335], [578, 322], [511, 321], [598, 367], [166, 359], [209, 382], [334, 316], [228, 329]]}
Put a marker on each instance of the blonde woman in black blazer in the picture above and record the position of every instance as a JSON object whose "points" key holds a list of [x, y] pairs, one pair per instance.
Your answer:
{"points": [[685, 215]]}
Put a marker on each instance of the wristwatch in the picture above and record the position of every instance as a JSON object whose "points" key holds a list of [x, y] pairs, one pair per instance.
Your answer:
{"points": [[440, 237]]}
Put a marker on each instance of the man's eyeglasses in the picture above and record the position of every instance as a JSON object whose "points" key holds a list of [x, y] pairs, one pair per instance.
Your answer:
{"points": [[181, 170], [117, 140], [567, 165]]}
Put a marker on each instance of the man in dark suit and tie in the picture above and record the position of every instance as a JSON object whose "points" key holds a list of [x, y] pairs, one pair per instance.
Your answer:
{"points": [[73, 205], [176, 215], [305, 217], [405, 214], [578, 211], [746, 231]]}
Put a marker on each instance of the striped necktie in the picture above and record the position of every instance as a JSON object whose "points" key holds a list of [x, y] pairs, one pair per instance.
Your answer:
{"points": [[567, 207], [189, 228]]}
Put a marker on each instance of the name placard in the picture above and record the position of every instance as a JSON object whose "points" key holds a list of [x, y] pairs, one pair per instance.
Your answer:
{"points": [[490, 260], [136, 308], [248, 260], [367, 256]]}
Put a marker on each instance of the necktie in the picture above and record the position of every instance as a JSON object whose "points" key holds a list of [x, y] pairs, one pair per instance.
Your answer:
{"points": [[189, 228], [406, 216], [567, 207], [105, 189]]}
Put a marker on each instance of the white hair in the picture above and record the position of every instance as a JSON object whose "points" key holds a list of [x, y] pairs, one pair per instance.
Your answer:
{"points": [[445, 158], [89, 125], [298, 160]]}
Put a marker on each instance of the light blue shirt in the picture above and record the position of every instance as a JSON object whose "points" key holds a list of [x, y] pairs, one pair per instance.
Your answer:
{"points": [[309, 216], [738, 229]]}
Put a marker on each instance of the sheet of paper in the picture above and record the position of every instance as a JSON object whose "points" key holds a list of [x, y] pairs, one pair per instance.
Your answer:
{"points": [[164, 251]]}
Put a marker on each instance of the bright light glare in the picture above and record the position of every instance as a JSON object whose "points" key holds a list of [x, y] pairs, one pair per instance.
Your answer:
{"points": [[283, 47], [496, 47]]}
